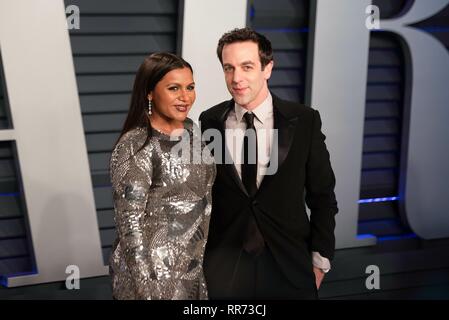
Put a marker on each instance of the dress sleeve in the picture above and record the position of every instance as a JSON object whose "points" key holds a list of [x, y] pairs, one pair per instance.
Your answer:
{"points": [[131, 177]]}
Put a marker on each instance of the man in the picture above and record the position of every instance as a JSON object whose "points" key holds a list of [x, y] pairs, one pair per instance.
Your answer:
{"points": [[261, 242]]}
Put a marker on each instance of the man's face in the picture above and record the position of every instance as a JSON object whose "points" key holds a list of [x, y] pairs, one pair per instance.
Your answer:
{"points": [[245, 79]]}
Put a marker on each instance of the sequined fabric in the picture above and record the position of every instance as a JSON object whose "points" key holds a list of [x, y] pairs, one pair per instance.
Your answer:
{"points": [[162, 211]]}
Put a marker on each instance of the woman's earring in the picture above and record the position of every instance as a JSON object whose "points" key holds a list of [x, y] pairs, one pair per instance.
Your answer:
{"points": [[149, 107]]}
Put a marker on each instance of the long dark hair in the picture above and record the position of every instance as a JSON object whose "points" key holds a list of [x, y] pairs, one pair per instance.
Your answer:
{"points": [[150, 72]]}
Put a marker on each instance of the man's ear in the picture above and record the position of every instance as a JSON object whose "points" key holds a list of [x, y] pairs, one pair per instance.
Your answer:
{"points": [[267, 70]]}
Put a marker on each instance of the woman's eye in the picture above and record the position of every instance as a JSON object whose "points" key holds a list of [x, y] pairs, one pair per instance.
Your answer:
{"points": [[173, 88], [190, 88]]}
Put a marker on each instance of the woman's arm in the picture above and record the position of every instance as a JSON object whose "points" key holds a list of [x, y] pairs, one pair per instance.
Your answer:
{"points": [[131, 175]]}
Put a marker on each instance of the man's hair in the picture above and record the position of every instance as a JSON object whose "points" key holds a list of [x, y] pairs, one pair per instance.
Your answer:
{"points": [[247, 34]]}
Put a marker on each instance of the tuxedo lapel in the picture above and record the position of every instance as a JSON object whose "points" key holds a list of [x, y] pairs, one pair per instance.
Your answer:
{"points": [[286, 130], [284, 123], [226, 161]]}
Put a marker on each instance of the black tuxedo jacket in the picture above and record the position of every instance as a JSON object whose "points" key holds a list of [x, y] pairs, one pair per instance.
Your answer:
{"points": [[304, 176]]}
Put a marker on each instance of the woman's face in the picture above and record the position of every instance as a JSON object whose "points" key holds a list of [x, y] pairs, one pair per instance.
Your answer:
{"points": [[173, 96]]}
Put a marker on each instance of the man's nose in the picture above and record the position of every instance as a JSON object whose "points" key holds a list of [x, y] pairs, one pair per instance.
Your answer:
{"points": [[237, 76]]}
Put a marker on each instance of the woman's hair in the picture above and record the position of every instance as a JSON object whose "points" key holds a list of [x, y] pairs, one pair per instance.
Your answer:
{"points": [[150, 72]]}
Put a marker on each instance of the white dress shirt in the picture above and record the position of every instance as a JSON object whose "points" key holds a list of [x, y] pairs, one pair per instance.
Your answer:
{"points": [[264, 123]]}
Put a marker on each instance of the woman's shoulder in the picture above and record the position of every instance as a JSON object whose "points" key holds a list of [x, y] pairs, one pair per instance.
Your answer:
{"points": [[129, 153], [132, 137], [130, 142]]}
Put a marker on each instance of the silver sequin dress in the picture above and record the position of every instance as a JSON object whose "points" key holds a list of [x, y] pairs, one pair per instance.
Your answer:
{"points": [[162, 211]]}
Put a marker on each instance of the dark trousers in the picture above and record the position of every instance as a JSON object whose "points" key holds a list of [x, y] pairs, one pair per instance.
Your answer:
{"points": [[261, 278]]}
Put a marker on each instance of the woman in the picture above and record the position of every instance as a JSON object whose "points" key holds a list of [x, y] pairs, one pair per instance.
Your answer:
{"points": [[162, 204]]}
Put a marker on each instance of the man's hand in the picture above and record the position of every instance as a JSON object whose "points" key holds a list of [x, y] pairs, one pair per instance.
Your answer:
{"points": [[319, 275]]}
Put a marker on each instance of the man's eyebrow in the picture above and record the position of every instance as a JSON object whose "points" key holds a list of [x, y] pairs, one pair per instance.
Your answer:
{"points": [[247, 62]]}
